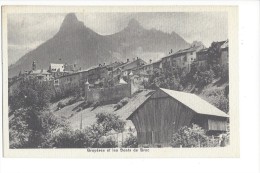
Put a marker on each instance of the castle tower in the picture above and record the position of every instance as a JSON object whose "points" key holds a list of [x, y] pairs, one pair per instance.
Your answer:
{"points": [[34, 65], [86, 90]]}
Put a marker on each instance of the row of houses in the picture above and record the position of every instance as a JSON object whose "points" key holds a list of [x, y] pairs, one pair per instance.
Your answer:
{"points": [[67, 76], [100, 74], [184, 58]]}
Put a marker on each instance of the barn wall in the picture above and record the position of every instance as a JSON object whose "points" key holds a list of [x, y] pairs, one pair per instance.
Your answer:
{"points": [[158, 118], [217, 124]]}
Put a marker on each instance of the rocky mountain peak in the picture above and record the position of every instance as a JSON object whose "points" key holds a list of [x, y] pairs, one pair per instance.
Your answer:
{"points": [[133, 23], [71, 22]]}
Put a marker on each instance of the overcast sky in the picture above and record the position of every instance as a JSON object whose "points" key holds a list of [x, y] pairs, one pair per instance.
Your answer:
{"points": [[27, 31]]}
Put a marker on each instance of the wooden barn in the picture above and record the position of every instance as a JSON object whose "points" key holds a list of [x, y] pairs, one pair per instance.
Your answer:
{"points": [[165, 111]]}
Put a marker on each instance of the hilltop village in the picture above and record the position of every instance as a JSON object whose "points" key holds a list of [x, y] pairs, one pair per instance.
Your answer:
{"points": [[64, 77], [154, 113]]}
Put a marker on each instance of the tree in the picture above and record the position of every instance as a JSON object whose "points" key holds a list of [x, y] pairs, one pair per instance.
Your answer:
{"points": [[93, 136], [214, 52], [31, 93], [131, 141], [193, 136], [169, 78], [31, 129]]}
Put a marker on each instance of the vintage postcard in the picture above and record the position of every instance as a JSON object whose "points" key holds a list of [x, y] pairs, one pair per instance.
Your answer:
{"points": [[122, 81]]}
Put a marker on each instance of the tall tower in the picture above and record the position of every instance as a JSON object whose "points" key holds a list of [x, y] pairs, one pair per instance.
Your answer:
{"points": [[34, 65]]}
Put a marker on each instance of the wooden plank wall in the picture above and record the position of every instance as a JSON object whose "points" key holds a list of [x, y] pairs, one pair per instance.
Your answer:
{"points": [[217, 124], [159, 117]]}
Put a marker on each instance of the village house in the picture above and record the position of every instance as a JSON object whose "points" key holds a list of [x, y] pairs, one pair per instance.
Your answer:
{"points": [[127, 67], [71, 68], [148, 69], [67, 82], [182, 58], [40, 75], [165, 111], [224, 54], [202, 58], [157, 65], [94, 75], [114, 65], [57, 70]]}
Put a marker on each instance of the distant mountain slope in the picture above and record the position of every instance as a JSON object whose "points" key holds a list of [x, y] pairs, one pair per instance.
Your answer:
{"points": [[75, 43]]}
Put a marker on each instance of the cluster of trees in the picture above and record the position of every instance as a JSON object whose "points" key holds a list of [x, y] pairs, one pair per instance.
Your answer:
{"points": [[195, 136], [93, 136], [33, 125], [31, 94], [75, 92], [30, 120], [175, 78]]}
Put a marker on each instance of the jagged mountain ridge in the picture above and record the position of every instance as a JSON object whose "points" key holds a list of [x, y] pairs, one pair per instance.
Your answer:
{"points": [[76, 43]]}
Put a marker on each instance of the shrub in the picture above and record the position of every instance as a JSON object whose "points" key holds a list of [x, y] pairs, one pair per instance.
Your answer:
{"points": [[130, 141], [107, 142], [60, 105], [219, 100], [193, 136], [72, 100], [80, 109], [110, 122], [121, 103], [31, 129], [95, 104], [86, 105]]}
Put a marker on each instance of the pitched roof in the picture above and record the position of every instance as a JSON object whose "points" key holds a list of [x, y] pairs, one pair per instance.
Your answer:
{"points": [[39, 72], [192, 101], [181, 51], [195, 103], [55, 67], [190, 49], [203, 50], [131, 62], [224, 45], [134, 103]]}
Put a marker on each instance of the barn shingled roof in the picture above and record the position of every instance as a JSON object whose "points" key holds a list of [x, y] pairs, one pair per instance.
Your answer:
{"points": [[195, 103], [190, 100]]}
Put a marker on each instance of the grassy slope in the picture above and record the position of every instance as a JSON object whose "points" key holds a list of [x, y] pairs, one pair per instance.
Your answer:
{"points": [[209, 93], [89, 114]]}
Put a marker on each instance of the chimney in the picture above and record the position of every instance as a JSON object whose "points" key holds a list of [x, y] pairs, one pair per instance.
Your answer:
{"points": [[171, 50], [137, 58], [127, 60], [150, 61]]}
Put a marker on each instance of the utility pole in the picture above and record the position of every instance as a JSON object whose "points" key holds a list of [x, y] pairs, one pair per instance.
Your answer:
{"points": [[80, 126]]}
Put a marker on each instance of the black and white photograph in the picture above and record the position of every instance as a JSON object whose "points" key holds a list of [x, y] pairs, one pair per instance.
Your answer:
{"points": [[118, 81]]}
